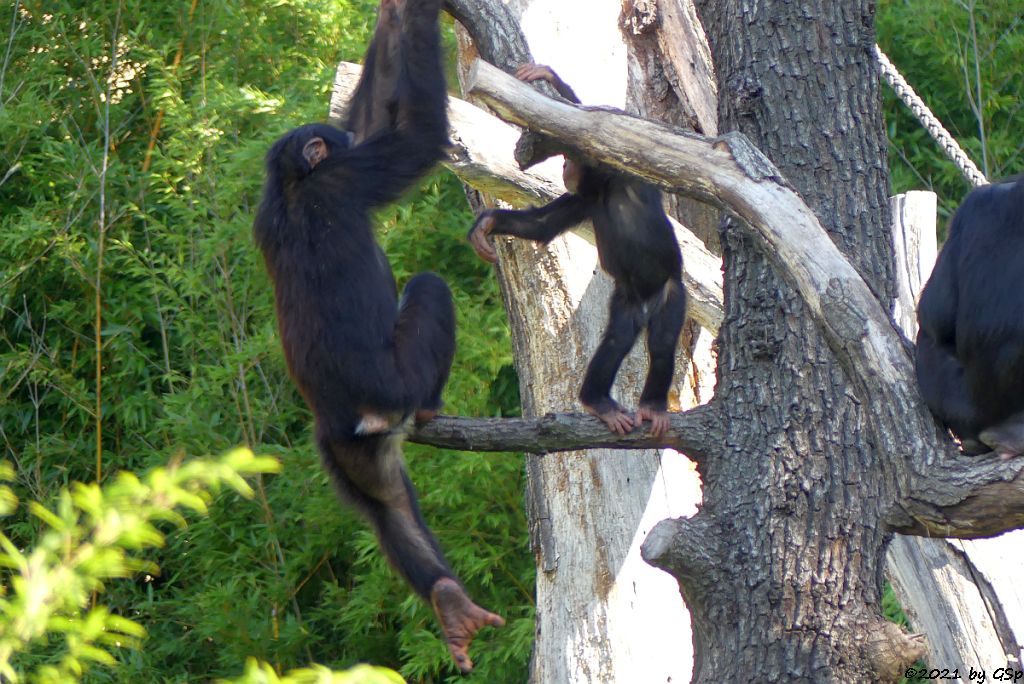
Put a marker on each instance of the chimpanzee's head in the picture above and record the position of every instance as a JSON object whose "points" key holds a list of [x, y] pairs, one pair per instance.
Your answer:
{"points": [[300, 150]]}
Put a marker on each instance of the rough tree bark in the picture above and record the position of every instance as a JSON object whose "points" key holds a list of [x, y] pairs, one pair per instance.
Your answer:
{"points": [[796, 494]]}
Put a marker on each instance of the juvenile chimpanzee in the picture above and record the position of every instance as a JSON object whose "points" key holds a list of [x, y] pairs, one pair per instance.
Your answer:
{"points": [[636, 246], [360, 357], [970, 346]]}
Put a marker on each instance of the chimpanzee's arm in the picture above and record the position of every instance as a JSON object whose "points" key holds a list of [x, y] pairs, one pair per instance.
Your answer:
{"points": [[402, 82], [379, 170], [373, 103], [398, 113], [541, 224]]}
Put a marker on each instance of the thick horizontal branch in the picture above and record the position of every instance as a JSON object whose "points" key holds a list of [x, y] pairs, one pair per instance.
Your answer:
{"points": [[695, 432], [956, 505], [729, 172]]}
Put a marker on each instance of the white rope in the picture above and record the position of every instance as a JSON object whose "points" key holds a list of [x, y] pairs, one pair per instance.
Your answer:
{"points": [[928, 120]]}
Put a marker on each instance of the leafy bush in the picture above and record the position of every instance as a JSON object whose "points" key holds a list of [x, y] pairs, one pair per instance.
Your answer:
{"points": [[93, 535], [131, 145]]}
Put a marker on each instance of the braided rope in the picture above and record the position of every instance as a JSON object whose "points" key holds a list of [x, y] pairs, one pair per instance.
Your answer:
{"points": [[928, 120]]}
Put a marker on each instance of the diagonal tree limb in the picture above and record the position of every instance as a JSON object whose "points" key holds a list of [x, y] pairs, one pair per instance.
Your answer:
{"points": [[963, 496]]}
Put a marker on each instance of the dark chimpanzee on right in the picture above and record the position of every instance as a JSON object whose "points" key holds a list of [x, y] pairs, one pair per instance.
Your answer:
{"points": [[636, 246], [970, 346], [363, 360]]}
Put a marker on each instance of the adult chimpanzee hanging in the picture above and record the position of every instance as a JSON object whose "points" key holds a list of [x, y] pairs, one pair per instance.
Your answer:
{"points": [[636, 246], [970, 346], [361, 359]]}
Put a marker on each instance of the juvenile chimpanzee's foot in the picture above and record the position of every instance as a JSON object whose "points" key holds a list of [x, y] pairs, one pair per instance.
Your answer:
{"points": [[425, 415], [659, 419], [460, 619], [612, 415], [372, 424]]}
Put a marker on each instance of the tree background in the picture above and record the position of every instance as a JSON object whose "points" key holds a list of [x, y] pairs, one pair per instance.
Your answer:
{"points": [[188, 96]]}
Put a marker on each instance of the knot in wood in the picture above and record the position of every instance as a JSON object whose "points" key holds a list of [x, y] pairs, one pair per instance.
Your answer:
{"points": [[849, 322], [639, 16]]}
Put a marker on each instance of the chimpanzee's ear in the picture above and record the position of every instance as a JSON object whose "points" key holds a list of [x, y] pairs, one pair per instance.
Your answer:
{"points": [[314, 151]]}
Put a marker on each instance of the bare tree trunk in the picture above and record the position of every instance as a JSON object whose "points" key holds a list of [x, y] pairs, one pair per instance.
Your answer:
{"points": [[602, 613], [792, 503]]}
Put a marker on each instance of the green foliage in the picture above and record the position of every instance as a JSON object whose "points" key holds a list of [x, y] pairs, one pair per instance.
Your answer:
{"points": [[131, 142], [261, 673], [965, 60], [92, 535], [893, 612]]}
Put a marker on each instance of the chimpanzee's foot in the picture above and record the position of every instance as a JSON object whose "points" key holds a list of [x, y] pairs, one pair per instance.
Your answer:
{"points": [[460, 619], [1006, 438], [659, 419], [612, 415], [372, 424], [425, 415]]}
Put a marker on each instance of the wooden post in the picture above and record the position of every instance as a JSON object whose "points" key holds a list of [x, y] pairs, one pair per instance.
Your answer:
{"points": [[965, 595]]}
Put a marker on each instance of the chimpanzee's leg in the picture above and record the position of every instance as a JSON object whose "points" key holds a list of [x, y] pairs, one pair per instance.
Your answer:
{"points": [[425, 340], [943, 385], [424, 348], [624, 323], [1006, 438], [369, 474], [665, 323]]}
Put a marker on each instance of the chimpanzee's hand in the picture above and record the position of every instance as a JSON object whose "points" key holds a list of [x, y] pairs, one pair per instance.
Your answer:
{"points": [[539, 72], [536, 72], [478, 236]]}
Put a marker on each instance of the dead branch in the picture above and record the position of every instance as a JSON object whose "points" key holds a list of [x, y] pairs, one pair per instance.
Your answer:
{"points": [[694, 432], [730, 173]]}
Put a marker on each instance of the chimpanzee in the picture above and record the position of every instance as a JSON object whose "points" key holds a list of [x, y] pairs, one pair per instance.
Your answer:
{"points": [[362, 359], [970, 346], [636, 246]]}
